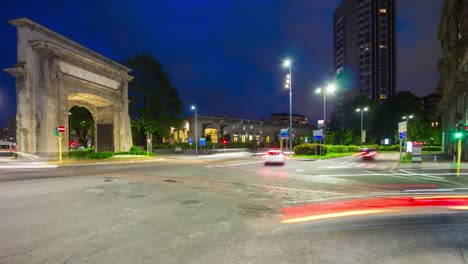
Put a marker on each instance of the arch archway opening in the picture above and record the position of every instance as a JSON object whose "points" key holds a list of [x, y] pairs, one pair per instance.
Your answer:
{"points": [[81, 124]]}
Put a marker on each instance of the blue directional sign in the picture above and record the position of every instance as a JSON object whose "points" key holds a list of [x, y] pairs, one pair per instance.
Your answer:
{"points": [[202, 142], [318, 134], [284, 133], [190, 141], [402, 135]]}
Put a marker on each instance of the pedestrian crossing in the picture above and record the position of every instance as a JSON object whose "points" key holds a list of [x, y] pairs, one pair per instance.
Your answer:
{"points": [[339, 164]]}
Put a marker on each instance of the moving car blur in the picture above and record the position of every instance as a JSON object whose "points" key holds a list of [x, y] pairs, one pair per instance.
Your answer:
{"points": [[367, 153], [275, 156]]}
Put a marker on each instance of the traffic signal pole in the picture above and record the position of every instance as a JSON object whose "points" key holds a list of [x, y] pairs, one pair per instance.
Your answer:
{"points": [[60, 148], [458, 157]]}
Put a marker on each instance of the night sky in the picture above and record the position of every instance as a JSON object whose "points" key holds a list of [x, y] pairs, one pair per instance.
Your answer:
{"points": [[225, 56]]}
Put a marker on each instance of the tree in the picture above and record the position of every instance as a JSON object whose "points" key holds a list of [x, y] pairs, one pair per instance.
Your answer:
{"points": [[82, 124], [348, 137], [154, 106], [391, 112]]}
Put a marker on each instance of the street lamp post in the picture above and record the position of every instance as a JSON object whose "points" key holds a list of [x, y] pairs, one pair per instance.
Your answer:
{"points": [[287, 63], [196, 129], [406, 118], [362, 114], [329, 89]]}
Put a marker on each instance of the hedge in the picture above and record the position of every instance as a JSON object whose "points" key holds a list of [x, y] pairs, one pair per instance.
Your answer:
{"points": [[82, 153], [432, 148], [310, 149], [100, 155], [141, 153]]}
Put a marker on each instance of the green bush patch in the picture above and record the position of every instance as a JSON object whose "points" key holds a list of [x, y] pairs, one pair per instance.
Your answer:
{"points": [[100, 155]]}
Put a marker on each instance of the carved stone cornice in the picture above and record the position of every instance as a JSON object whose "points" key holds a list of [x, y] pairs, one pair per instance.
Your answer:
{"points": [[85, 83], [67, 55], [18, 70], [25, 22]]}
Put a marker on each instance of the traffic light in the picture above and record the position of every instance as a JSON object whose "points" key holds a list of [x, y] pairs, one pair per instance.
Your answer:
{"points": [[460, 130], [224, 142], [56, 132]]}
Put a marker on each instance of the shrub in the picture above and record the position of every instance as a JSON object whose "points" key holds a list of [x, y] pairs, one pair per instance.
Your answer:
{"points": [[135, 148], [310, 149], [353, 148], [80, 153], [390, 148], [337, 148], [432, 148], [100, 155]]}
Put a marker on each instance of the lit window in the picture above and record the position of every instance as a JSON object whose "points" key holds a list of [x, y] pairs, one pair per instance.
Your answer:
{"points": [[257, 137], [212, 133], [383, 10], [267, 139], [250, 138], [243, 138], [382, 96], [382, 46], [236, 138]]}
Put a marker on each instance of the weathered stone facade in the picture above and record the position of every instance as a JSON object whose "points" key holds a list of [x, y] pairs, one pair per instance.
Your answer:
{"points": [[453, 68], [53, 74]]}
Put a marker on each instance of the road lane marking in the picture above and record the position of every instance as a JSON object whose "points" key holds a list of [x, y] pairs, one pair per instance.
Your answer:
{"points": [[370, 172], [238, 164], [431, 190], [423, 175]]}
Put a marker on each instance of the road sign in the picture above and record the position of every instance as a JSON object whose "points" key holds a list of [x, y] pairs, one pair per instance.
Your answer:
{"points": [[417, 152], [202, 142], [320, 123], [284, 133], [190, 141], [402, 127], [402, 135], [318, 134], [61, 129]]}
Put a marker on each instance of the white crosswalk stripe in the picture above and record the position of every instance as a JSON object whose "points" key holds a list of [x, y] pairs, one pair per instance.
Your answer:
{"points": [[333, 164]]}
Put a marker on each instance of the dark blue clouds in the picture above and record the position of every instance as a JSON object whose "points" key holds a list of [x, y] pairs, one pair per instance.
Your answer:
{"points": [[224, 56]]}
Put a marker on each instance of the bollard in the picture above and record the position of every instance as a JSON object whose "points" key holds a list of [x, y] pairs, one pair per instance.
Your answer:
{"points": [[435, 158]]}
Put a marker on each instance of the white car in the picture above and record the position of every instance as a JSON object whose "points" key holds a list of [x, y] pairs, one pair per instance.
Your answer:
{"points": [[275, 157]]}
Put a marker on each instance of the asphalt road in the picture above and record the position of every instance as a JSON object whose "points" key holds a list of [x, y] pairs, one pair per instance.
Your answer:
{"points": [[221, 209]]}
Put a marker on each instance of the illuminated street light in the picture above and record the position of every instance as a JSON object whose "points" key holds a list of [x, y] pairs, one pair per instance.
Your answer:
{"points": [[288, 63], [362, 113], [331, 88], [196, 128]]}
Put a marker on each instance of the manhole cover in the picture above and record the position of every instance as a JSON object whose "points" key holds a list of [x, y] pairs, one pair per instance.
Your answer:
{"points": [[191, 202], [170, 180], [108, 179]]}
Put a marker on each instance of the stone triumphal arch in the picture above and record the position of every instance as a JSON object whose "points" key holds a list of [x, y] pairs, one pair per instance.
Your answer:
{"points": [[54, 74]]}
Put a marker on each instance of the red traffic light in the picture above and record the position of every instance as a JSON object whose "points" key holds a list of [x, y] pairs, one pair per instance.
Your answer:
{"points": [[224, 142]]}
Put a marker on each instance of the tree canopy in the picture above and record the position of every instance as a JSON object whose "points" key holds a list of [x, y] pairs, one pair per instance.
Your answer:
{"points": [[154, 106]]}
